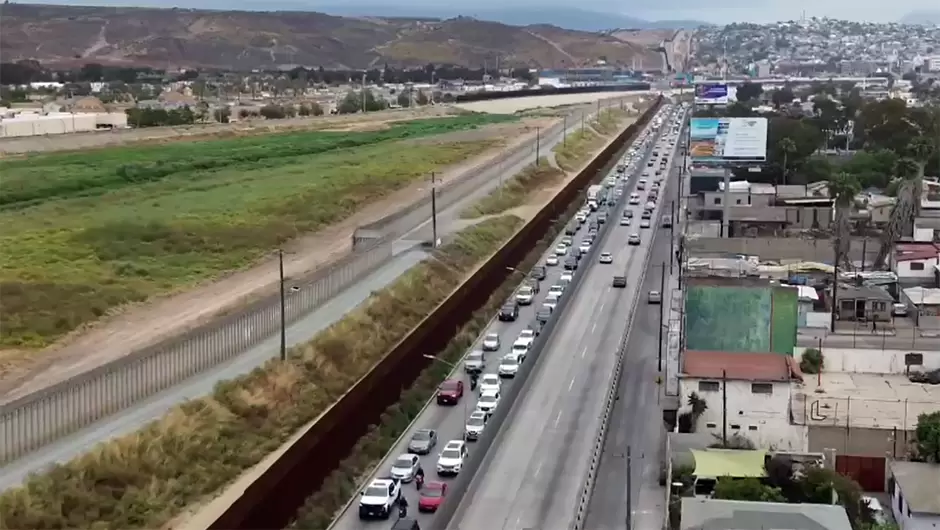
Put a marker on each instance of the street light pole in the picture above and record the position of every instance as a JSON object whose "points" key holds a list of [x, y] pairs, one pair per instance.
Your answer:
{"points": [[662, 302], [433, 212], [280, 263], [538, 141]]}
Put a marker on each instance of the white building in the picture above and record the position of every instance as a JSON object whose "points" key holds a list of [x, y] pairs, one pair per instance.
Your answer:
{"points": [[916, 262], [757, 388], [59, 123], [915, 501]]}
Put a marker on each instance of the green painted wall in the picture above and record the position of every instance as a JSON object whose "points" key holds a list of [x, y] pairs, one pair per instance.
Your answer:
{"points": [[785, 307], [735, 319]]}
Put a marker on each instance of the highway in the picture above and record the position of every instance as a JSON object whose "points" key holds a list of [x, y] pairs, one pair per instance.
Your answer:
{"points": [[407, 254], [449, 421], [535, 474], [636, 419]]}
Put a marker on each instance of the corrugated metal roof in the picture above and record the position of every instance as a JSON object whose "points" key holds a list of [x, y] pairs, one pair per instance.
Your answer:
{"points": [[739, 366]]}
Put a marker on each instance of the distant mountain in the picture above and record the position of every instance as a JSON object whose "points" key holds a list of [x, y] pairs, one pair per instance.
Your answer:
{"points": [[923, 17], [243, 40], [562, 17]]}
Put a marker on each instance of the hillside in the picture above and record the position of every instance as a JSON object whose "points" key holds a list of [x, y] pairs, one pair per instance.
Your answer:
{"points": [[247, 40]]}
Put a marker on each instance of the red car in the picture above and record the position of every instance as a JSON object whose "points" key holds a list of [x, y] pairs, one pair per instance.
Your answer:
{"points": [[450, 392], [432, 495]]}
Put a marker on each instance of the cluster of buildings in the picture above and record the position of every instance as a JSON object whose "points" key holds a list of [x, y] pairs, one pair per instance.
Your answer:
{"points": [[822, 47], [756, 312]]}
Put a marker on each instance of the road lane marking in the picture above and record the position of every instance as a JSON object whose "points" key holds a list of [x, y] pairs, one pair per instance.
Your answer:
{"points": [[537, 469], [583, 351], [571, 384], [558, 417], [594, 327]]}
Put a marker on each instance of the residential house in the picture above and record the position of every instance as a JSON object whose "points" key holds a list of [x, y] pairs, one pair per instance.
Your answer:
{"points": [[87, 104], [751, 391], [916, 262], [863, 303], [915, 494], [718, 514]]}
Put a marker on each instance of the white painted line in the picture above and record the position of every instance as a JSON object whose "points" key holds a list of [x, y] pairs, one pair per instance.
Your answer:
{"points": [[537, 469], [583, 351], [594, 327], [571, 384], [558, 417]]}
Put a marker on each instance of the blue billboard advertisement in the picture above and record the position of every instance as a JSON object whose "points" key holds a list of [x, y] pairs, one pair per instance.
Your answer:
{"points": [[711, 94], [728, 139]]}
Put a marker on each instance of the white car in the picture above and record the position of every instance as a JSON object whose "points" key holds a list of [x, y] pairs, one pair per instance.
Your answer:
{"points": [[566, 276], [379, 499], [644, 223], [527, 334], [634, 239], [606, 257], [561, 250], [624, 221], [488, 402], [521, 347], [559, 289], [491, 342], [490, 383], [552, 260], [508, 367], [550, 304], [405, 467], [476, 422], [452, 458], [585, 247], [525, 295]]}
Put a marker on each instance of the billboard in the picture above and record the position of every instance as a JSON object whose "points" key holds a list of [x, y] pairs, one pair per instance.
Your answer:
{"points": [[728, 139], [711, 94]]}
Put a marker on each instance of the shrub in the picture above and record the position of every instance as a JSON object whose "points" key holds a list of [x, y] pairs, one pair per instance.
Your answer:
{"points": [[747, 489], [812, 361], [142, 480], [515, 191]]}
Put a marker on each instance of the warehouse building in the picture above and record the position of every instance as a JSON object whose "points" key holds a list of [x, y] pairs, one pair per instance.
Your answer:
{"points": [[26, 124]]}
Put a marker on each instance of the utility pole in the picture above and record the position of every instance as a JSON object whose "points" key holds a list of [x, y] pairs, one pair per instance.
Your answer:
{"points": [[363, 93], [629, 489], [724, 408], [673, 220], [538, 140], [582, 122], [280, 262], [662, 303], [564, 132], [433, 212]]}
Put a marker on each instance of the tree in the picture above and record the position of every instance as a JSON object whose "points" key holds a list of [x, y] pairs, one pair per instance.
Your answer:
{"points": [[404, 99], [781, 97], [749, 91], [787, 147], [843, 188], [927, 437], [222, 114], [356, 101], [747, 489], [901, 221], [273, 112], [421, 98]]}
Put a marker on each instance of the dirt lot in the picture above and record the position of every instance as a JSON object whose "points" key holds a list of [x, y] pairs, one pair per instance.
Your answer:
{"points": [[139, 326]]}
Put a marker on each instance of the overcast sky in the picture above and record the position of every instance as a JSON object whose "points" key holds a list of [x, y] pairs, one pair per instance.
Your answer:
{"points": [[715, 11]]}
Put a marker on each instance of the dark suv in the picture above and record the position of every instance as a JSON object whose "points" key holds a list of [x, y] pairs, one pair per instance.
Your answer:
{"points": [[509, 312]]}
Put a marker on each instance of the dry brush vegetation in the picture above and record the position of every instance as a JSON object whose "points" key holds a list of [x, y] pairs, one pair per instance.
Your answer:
{"points": [[87, 232], [516, 190], [580, 145], [323, 506], [145, 479]]}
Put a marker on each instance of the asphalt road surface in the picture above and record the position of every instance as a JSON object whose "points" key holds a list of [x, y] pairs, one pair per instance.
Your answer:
{"points": [[449, 421], [636, 420], [534, 476], [407, 254]]}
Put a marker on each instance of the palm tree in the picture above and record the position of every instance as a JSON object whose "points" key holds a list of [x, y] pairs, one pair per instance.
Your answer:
{"points": [[843, 188], [921, 149], [787, 146], [908, 172]]}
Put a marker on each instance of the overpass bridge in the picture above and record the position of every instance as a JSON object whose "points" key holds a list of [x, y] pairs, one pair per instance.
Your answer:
{"points": [[780, 81]]}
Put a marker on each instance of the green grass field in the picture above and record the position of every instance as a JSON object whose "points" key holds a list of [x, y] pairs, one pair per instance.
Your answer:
{"points": [[85, 232]]}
